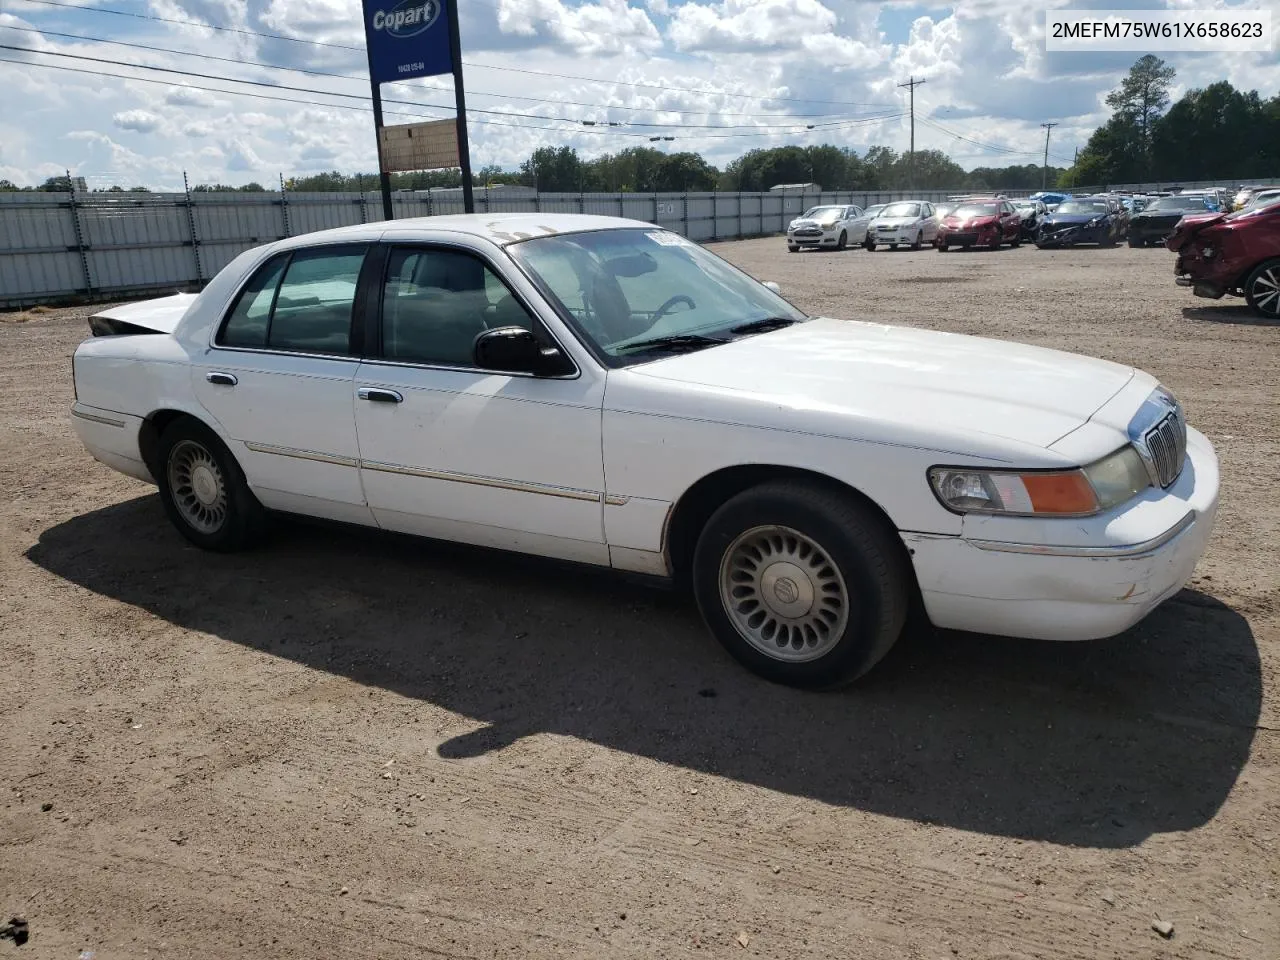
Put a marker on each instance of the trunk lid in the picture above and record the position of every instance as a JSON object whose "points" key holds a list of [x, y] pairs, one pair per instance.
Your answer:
{"points": [[160, 315]]}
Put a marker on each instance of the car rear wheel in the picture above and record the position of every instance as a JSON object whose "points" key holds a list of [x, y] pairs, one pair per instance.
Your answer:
{"points": [[203, 489], [802, 584], [1262, 289]]}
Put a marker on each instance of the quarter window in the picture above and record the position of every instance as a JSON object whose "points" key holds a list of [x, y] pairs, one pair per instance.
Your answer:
{"points": [[436, 302], [300, 301]]}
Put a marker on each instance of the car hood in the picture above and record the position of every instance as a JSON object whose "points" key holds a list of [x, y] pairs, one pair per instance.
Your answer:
{"points": [[825, 224], [1189, 226], [927, 387], [1070, 219], [896, 221], [982, 221]]}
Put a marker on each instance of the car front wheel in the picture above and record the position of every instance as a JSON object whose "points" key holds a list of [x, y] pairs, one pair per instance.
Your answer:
{"points": [[1262, 289], [203, 489], [843, 241], [802, 584]]}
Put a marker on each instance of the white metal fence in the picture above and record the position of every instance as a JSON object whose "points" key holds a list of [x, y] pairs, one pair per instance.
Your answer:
{"points": [[97, 245], [70, 245]]}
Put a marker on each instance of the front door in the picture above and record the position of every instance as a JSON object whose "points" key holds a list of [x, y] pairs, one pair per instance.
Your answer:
{"points": [[451, 451], [279, 378]]}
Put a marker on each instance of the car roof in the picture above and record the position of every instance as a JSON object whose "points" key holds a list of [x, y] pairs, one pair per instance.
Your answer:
{"points": [[499, 228]]}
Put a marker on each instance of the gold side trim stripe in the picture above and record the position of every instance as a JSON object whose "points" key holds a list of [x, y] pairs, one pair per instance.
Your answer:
{"points": [[566, 492], [303, 454], [94, 418]]}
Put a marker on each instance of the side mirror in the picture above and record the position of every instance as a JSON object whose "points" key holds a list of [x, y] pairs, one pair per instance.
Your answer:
{"points": [[772, 286], [515, 350]]}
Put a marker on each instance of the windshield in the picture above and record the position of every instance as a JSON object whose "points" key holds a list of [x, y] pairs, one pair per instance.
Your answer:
{"points": [[823, 213], [873, 211], [1025, 205], [1173, 204], [1082, 206], [625, 286], [901, 210], [976, 210], [942, 209]]}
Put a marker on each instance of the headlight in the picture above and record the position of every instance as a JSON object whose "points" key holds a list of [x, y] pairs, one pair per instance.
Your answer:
{"points": [[1094, 222], [1118, 477], [1100, 486]]}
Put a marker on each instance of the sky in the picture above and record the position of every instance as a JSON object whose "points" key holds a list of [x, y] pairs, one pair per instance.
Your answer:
{"points": [[719, 76]]}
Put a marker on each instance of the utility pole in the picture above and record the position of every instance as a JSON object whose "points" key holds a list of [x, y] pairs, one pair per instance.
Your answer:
{"points": [[911, 84], [1044, 171]]}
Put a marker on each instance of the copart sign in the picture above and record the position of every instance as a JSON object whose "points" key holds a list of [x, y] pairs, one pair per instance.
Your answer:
{"points": [[407, 39]]}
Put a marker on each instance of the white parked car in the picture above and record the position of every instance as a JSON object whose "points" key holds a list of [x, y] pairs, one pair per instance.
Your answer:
{"points": [[829, 226], [604, 391], [908, 222]]}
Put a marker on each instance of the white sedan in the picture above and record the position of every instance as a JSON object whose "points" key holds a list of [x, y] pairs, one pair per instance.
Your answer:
{"points": [[911, 223], [604, 391], [824, 227]]}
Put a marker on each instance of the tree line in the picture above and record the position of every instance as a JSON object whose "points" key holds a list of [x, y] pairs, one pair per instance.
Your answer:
{"points": [[1215, 133]]}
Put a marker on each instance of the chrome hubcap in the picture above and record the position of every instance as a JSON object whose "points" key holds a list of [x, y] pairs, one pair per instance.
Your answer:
{"points": [[783, 593], [197, 487], [1266, 291]]}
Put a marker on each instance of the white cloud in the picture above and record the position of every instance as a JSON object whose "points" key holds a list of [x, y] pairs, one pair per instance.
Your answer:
{"points": [[241, 157], [185, 96], [139, 121], [608, 27]]}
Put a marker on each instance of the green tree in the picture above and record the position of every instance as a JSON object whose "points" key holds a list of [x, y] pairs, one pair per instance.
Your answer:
{"points": [[553, 170], [1214, 133]]}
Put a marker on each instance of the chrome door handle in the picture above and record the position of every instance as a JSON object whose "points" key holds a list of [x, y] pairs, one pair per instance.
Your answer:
{"points": [[222, 379], [379, 395]]}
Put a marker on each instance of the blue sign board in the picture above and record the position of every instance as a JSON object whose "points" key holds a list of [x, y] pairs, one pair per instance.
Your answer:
{"points": [[406, 39]]}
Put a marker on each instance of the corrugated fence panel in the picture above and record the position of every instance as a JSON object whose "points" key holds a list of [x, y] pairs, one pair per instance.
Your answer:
{"points": [[155, 240]]}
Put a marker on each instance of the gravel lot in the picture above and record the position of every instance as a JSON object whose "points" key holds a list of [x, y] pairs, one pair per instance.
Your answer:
{"points": [[353, 745]]}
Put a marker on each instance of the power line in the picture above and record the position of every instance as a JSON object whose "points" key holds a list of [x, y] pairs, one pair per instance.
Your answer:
{"points": [[790, 127], [989, 147], [911, 157], [1044, 171], [469, 63], [364, 78], [344, 106]]}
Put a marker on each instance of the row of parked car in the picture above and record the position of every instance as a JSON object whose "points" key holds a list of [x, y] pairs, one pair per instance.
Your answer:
{"points": [[1046, 219]]}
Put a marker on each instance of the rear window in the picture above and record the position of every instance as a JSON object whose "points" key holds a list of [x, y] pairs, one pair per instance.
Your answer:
{"points": [[300, 301]]}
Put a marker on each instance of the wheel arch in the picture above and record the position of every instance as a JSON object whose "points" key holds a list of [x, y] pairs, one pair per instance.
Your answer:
{"points": [[691, 511], [154, 425]]}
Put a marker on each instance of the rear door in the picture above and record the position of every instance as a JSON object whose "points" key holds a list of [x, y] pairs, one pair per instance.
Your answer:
{"points": [[279, 375]]}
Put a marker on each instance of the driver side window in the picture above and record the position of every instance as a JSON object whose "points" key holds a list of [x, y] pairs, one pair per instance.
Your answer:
{"points": [[436, 302]]}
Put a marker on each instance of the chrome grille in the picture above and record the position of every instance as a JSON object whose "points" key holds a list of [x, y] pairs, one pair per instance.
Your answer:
{"points": [[1166, 444]]}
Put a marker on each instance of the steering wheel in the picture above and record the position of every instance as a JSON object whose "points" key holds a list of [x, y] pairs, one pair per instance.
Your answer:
{"points": [[671, 302]]}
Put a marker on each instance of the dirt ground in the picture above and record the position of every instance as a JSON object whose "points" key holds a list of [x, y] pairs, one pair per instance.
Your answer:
{"points": [[353, 745]]}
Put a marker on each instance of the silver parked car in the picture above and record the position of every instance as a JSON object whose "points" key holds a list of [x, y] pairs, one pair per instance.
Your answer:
{"points": [[827, 226], [907, 222]]}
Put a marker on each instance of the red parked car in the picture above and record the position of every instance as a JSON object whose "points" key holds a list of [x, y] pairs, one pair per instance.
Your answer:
{"points": [[986, 222], [1237, 253]]}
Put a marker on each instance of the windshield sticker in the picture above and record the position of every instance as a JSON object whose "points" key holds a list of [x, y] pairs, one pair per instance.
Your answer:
{"points": [[668, 239]]}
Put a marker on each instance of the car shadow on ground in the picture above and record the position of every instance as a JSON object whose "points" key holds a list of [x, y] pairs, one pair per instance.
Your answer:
{"points": [[1095, 744], [1238, 313]]}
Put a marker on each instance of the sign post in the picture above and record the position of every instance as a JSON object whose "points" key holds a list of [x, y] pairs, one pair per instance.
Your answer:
{"points": [[407, 39]]}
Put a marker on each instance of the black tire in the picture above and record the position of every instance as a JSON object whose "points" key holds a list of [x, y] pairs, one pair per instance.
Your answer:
{"points": [[843, 242], [997, 239], [893, 246], [966, 246], [793, 249], [243, 518], [1017, 239], [919, 241], [868, 246], [858, 545], [1135, 243], [1262, 289], [943, 247]]}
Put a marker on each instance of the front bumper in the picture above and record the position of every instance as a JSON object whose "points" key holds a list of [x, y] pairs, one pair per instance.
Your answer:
{"points": [[1066, 236], [823, 239], [1079, 592], [905, 235]]}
